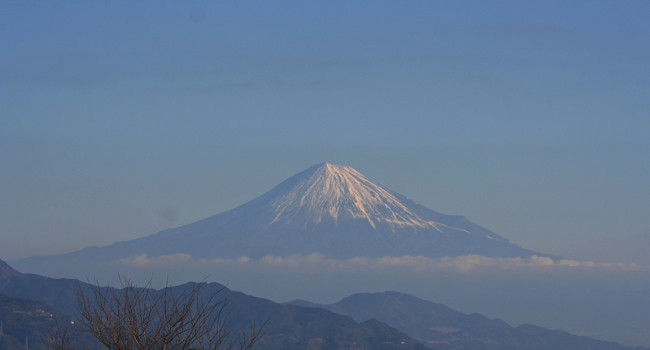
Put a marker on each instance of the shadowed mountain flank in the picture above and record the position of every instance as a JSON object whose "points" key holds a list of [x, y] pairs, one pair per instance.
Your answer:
{"points": [[7, 271], [388, 320], [441, 327], [286, 326]]}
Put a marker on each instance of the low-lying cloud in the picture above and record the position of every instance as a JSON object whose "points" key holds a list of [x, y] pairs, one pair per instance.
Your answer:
{"points": [[318, 263]]}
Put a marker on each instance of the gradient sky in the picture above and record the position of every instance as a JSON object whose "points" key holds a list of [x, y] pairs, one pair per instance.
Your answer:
{"points": [[119, 119]]}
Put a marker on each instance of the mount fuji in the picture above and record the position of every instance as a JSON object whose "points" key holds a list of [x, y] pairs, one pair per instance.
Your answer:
{"points": [[327, 208]]}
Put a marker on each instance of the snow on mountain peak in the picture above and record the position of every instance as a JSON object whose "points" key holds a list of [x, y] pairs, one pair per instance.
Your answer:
{"points": [[330, 209], [329, 192]]}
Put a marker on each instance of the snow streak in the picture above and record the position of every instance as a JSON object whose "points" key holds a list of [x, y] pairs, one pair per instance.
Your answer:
{"points": [[335, 192]]}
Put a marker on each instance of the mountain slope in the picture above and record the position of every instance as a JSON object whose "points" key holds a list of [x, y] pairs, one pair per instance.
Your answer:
{"points": [[22, 318], [7, 271], [331, 209], [441, 327], [304, 325], [288, 326]]}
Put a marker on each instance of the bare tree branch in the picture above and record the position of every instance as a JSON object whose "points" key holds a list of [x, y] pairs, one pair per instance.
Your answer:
{"points": [[133, 318]]}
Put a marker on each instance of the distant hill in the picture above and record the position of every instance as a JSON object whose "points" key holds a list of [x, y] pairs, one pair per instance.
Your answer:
{"points": [[331, 209], [441, 327], [27, 319], [288, 326], [361, 321], [57, 293], [7, 271]]}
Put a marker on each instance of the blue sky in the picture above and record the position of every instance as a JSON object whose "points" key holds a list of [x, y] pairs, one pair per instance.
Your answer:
{"points": [[119, 119]]}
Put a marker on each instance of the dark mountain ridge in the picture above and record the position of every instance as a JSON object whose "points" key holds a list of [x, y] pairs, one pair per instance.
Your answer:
{"points": [[361, 321], [288, 326], [7, 271], [24, 319], [441, 327]]}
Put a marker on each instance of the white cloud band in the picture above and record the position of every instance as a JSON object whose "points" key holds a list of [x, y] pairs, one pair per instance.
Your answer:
{"points": [[317, 263]]}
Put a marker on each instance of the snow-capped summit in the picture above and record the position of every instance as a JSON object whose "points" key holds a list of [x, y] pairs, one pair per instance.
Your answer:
{"points": [[330, 209], [328, 192]]}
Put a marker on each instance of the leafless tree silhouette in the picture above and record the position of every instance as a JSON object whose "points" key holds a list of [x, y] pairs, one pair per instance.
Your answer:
{"points": [[133, 318]]}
